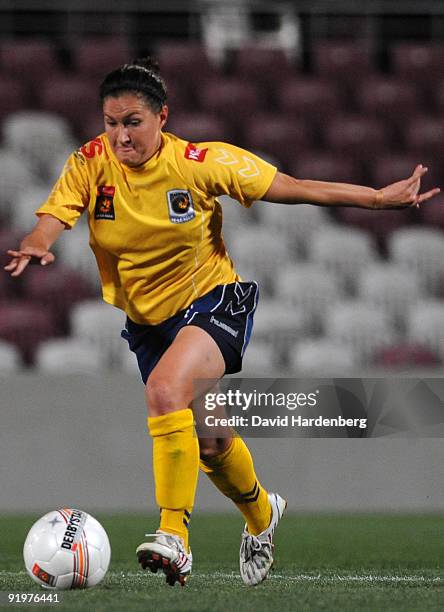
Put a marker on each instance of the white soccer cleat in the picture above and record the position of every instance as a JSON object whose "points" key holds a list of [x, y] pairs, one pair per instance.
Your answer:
{"points": [[166, 552], [256, 552]]}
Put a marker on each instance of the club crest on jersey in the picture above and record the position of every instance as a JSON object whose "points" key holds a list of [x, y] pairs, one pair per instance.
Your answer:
{"points": [[104, 208], [180, 205], [194, 153]]}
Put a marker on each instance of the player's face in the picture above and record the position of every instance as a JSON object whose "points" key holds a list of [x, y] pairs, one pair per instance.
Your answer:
{"points": [[133, 128]]}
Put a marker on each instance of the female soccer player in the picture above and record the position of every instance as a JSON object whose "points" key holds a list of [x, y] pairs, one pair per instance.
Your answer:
{"points": [[155, 229]]}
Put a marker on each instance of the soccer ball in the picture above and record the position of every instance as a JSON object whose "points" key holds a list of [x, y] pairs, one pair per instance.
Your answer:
{"points": [[67, 549]]}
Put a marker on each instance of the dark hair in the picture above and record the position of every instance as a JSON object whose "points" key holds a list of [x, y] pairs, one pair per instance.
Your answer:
{"points": [[141, 77]]}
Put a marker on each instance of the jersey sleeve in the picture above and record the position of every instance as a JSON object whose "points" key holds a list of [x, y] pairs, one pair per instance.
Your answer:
{"points": [[227, 169], [70, 195]]}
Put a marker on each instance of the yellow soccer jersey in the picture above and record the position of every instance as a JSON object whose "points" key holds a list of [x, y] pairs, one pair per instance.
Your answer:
{"points": [[156, 229]]}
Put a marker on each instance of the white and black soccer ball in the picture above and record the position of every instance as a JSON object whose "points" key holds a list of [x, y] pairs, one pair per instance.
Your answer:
{"points": [[67, 549]]}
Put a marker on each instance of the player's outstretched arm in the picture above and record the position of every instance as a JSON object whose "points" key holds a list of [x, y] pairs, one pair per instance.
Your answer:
{"points": [[402, 194], [36, 245]]}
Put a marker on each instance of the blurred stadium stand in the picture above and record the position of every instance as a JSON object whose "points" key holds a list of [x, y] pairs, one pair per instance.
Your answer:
{"points": [[343, 253], [420, 250], [310, 289], [325, 92], [416, 61], [10, 358], [361, 326], [392, 287], [322, 357], [25, 325], [68, 356], [341, 60], [100, 325], [93, 57], [200, 126], [28, 59]]}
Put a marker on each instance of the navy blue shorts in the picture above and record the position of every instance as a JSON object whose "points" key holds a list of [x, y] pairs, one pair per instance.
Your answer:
{"points": [[225, 313]]}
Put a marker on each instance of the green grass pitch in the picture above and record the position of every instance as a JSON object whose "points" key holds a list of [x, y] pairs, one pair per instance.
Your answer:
{"points": [[322, 562]]}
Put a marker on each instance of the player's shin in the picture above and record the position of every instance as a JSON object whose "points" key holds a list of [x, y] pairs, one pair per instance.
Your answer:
{"points": [[233, 474], [176, 465]]}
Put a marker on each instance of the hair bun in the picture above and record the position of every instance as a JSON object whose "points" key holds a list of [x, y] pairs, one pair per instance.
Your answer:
{"points": [[140, 77], [148, 63]]}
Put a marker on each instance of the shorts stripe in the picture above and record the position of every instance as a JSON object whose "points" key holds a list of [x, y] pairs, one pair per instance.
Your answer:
{"points": [[249, 324], [194, 314], [221, 299], [212, 309]]}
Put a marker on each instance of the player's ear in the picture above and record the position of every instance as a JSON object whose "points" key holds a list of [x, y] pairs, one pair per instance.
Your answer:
{"points": [[163, 115]]}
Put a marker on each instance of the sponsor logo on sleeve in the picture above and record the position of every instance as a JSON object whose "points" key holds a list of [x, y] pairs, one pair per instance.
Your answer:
{"points": [[194, 153], [180, 205], [92, 148], [104, 208]]}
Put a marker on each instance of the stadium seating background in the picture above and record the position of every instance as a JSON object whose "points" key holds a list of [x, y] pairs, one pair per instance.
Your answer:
{"points": [[364, 286], [361, 101]]}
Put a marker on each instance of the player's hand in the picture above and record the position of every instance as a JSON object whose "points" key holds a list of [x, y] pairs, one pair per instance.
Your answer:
{"points": [[22, 258], [405, 194]]}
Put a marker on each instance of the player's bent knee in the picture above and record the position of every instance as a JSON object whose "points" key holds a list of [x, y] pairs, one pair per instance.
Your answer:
{"points": [[163, 396]]}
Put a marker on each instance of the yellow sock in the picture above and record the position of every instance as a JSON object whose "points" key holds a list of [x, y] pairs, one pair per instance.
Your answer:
{"points": [[233, 474], [176, 466]]}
